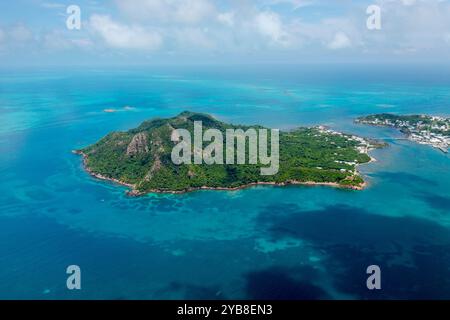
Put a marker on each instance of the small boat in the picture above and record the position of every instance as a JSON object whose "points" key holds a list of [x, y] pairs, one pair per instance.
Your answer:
{"points": [[444, 150]]}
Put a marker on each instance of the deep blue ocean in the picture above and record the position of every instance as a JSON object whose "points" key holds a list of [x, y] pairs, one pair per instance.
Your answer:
{"points": [[259, 243]]}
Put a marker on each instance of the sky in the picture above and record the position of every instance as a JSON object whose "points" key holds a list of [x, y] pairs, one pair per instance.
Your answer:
{"points": [[135, 32]]}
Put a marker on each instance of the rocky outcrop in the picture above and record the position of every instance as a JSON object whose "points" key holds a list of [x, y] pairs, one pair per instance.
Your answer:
{"points": [[158, 151], [139, 144], [157, 164]]}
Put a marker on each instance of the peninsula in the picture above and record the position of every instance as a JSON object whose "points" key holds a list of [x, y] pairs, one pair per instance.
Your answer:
{"points": [[423, 129], [141, 159]]}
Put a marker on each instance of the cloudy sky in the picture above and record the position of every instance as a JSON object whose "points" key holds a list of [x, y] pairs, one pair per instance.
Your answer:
{"points": [[220, 31]]}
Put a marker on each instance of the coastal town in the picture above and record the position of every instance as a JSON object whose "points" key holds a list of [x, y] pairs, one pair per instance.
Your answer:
{"points": [[363, 145], [423, 129]]}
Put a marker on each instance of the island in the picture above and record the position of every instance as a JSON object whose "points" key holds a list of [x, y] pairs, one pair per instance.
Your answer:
{"points": [[423, 129], [141, 159]]}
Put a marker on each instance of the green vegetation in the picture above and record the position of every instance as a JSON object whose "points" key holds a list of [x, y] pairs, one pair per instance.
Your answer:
{"points": [[142, 157]]}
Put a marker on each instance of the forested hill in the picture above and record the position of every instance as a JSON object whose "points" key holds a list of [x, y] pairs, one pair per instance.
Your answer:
{"points": [[141, 158]]}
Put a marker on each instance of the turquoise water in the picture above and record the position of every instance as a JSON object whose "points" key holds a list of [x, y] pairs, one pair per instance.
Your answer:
{"points": [[264, 242]]}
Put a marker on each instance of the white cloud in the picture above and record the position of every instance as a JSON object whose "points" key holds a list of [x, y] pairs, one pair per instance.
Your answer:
{"points": [[417, 25], [264, 28], [167, 11], [193, 11], [20, 33], [55, 40], [296, 4], [269, 25], [340, 41], [226, 18], [123, 36], [408, 2]]}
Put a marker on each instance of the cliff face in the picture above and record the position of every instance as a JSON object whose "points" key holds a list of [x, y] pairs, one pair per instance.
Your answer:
{"points": [[139, 144], [142, 157]]}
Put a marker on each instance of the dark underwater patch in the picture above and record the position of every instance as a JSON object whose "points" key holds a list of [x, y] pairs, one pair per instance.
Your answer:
{"points": [[426, 277], [74, 210], [413, 253], [193, 292], [343, 224], [436, 201], [279, 284]]}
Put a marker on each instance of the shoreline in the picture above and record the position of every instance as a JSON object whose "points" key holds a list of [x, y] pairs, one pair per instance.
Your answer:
{"points": [[97, 175], [426, 143], [409, 135], [135, 193]]}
